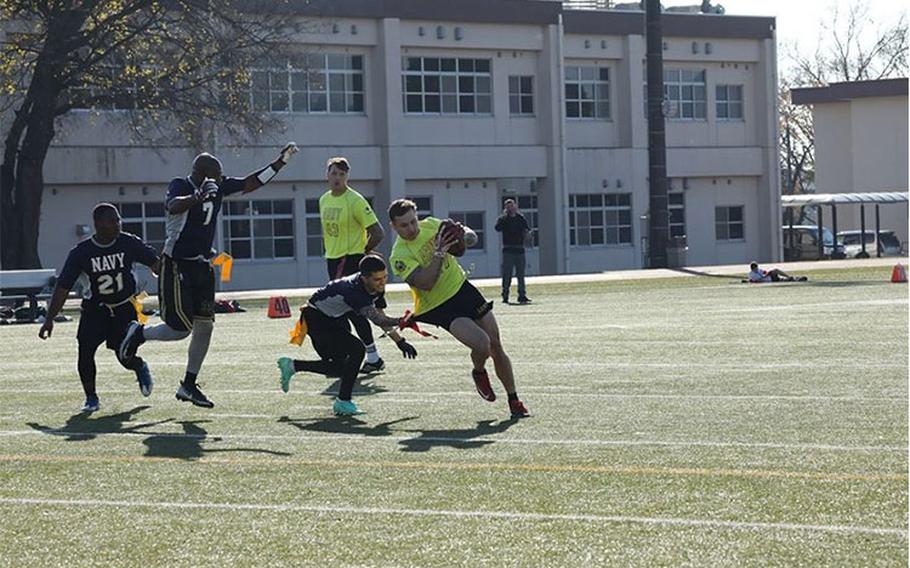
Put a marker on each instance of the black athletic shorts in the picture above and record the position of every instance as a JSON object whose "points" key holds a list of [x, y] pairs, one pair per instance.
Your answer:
{"points": [[468, 302], [186, 290], [331, 337], [99, 324], [343, 266]]}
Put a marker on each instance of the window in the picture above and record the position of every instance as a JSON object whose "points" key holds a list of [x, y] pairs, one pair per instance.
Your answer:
{"points": [[259, 229], [315, 83], [527, 206], [424, 206], [521, 95], [677, 210], [474, 220], [315, 247], [597, 219], [145, 220], [587, 92], [729, 102], [728, 223], [446, 85], [112, 91], [686, 92]]}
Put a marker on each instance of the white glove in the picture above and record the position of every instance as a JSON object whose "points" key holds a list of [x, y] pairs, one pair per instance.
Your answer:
{"points": [[289, 150], [208, 190]]}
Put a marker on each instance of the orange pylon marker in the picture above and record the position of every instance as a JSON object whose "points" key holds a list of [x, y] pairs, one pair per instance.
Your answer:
{"points": [[898, 274], [279, 307]]}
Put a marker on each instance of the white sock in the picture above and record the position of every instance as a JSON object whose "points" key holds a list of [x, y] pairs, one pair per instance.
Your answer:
{"points": [[372, 353]]}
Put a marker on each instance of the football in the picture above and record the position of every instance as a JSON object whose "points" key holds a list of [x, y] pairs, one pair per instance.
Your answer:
{"points": [[450, 227]]}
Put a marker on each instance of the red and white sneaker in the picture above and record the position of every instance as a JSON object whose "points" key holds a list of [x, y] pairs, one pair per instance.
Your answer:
{"points": [[518, 408], [482, 384]]}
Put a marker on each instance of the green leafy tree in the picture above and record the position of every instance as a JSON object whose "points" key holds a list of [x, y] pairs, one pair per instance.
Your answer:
{"points": [[177, 68]]}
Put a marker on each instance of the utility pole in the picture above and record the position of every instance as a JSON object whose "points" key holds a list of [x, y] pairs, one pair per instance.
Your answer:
{"points": [[659, 226]]}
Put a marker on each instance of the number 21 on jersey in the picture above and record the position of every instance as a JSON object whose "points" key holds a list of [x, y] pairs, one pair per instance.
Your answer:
{"points": [[106, 283]]}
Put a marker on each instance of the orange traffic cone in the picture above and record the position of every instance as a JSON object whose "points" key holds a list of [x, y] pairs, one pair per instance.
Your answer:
{"points": [[279, 307], [898, 274]]}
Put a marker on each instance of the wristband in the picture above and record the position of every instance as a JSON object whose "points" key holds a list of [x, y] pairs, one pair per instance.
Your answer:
{"points": [[266, 174]]}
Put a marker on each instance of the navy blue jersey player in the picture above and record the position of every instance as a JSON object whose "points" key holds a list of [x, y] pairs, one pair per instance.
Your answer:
{"points": [[326, 315], [186, 283], [106, 262]]}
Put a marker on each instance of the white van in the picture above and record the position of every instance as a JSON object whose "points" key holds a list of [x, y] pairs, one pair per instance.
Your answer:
{"points": [[887, 243]]}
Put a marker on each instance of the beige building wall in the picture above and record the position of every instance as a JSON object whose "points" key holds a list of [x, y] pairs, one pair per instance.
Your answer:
{"points": [[861, 146], [469, 163]]}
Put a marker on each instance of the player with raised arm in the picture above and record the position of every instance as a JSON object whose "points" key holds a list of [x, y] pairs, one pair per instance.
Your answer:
{"points": [[444, 297], [326, 315], [186, 284], [106, 261], [350, 230]]}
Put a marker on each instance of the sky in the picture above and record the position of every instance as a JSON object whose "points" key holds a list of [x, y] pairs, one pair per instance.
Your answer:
{"points": [[798, 21]]}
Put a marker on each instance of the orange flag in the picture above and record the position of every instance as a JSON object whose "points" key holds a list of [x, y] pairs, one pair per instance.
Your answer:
{"points": [[298, 332], [226, 262]]}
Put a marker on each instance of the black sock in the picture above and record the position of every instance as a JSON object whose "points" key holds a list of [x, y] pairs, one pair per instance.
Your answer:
{"points": [[321, 367], [513, 396], [190, 379]]}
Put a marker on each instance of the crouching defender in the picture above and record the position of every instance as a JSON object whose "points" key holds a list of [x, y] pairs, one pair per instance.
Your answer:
{"points": [[445, 298], [326, 318], [186, 285], [106, 260]]}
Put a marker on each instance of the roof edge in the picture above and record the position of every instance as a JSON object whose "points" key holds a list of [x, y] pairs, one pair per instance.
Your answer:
{"points": [[842, 92]]}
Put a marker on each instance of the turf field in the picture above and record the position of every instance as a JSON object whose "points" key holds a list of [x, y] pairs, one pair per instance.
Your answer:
{"points": [[688, 421]]}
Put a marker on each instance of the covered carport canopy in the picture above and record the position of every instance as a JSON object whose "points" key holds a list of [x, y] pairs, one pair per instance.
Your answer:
{"points": [[835, 199], [839, 198]]}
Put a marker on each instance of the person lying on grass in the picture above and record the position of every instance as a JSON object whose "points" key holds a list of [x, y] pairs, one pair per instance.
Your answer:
{"points": [[757, 275]]}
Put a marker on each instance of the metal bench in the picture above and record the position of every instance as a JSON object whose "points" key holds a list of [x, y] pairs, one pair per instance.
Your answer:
{"points": [[17, 285]]}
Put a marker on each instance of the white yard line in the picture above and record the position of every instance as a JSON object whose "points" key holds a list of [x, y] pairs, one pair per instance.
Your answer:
{"points": [[420, 437], [520, 516], [550, 392]]}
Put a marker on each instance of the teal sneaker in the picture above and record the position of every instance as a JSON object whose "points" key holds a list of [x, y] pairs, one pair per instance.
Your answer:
{"points": [[345, 408], [286, 364]]}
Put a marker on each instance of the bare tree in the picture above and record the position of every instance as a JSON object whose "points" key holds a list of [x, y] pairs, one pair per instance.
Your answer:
{"points": [[174, 67], [850, 47]]}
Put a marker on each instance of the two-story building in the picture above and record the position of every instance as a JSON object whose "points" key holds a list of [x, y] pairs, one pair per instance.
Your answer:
{"points": [[459, 105]]}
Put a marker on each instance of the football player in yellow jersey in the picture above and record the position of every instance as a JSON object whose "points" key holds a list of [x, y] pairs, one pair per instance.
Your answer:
{"points": [[350, 230], [444, 297]]}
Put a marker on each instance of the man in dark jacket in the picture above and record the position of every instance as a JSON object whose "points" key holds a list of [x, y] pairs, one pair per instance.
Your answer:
{"points": [[515, 231]]}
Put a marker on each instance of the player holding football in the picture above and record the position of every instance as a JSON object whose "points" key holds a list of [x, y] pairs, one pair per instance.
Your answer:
{"points": [[350, 230], [326, 316], [445, 298], [186, 285], [106, 261]]}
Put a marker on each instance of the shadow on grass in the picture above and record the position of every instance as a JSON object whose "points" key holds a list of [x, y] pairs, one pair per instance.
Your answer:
{"points": [[360, 387], [343, 425], [86, 426], [189, 445], [460, 439], [733, 277]]}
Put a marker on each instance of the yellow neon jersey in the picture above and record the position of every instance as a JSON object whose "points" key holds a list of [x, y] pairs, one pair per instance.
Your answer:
{"points": [[407, 256], [345, 219]]}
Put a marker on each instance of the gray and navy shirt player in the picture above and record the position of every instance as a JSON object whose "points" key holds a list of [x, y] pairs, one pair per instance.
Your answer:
{"points": [[190, 234], [345, 295], [107, 268]]}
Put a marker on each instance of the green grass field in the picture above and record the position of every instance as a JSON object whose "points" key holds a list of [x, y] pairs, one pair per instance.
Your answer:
{"points": [[687, 421]]}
